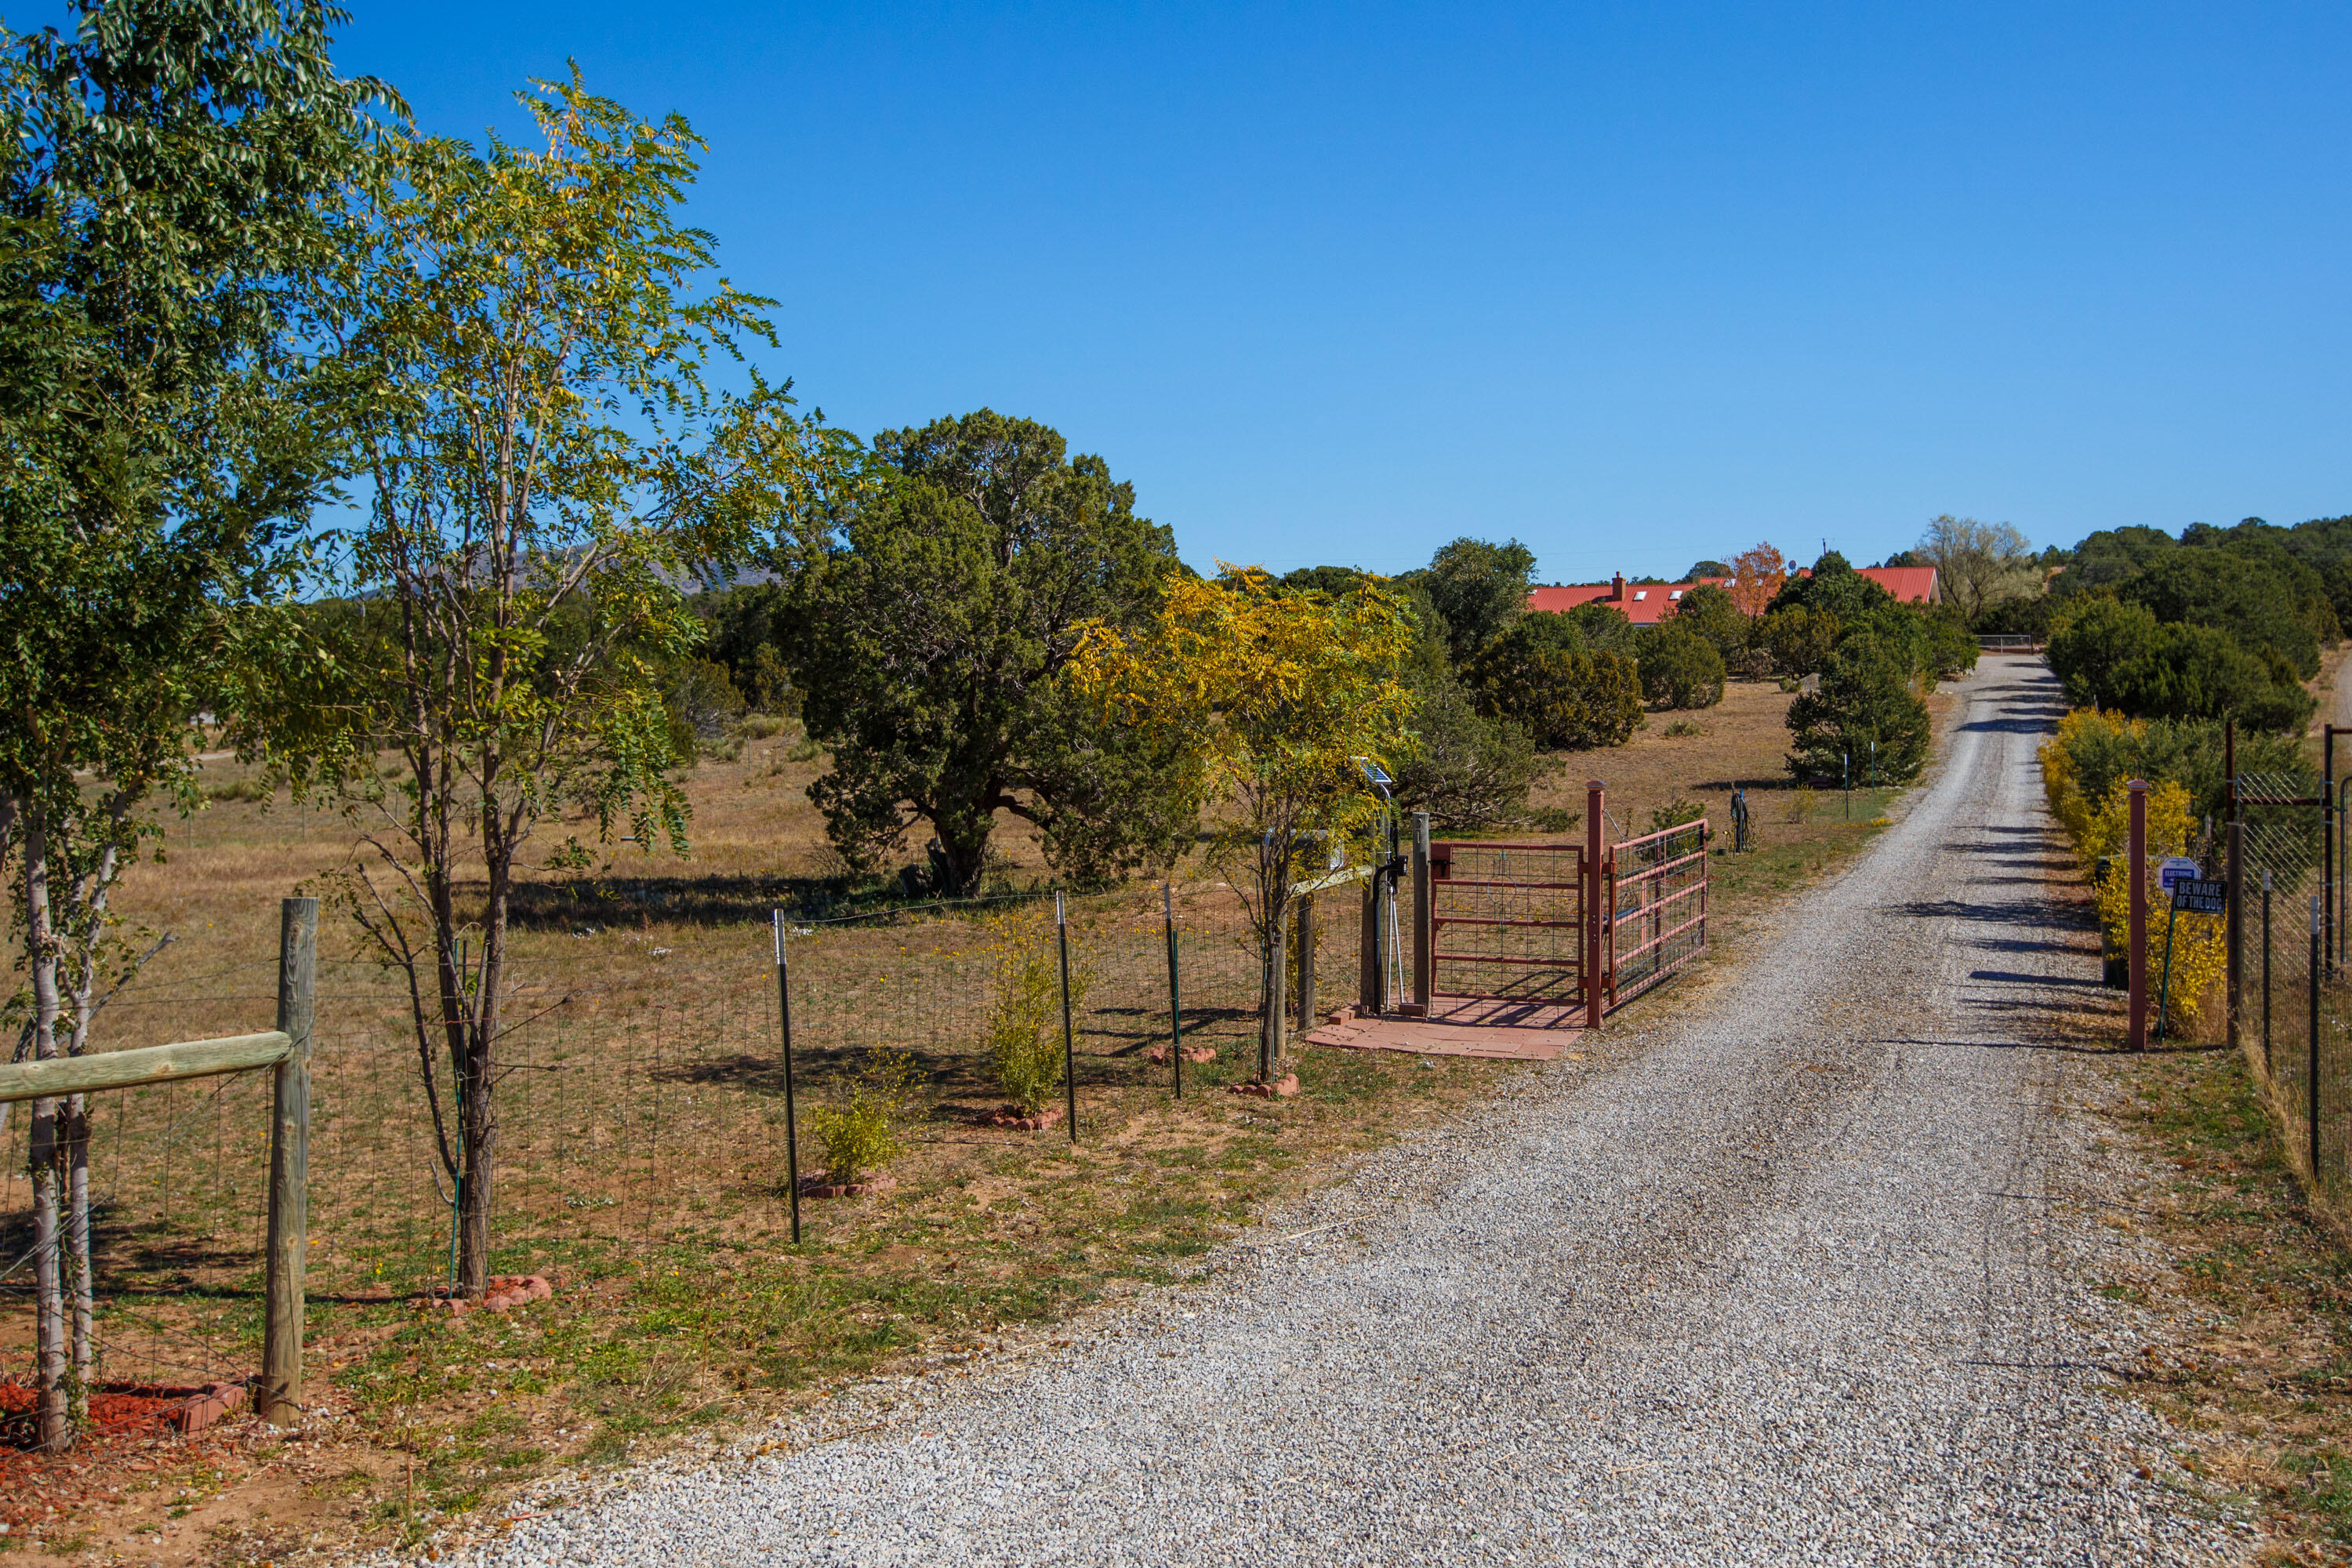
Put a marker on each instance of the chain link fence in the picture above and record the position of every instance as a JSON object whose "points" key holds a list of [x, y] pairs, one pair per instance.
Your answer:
{"points": [[2293, 997]]}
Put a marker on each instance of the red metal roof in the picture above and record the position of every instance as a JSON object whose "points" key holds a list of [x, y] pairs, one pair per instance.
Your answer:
{"points": [[1647, 604]]}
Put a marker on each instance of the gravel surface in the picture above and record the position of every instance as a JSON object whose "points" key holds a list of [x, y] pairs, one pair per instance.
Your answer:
{"points": [[1803, 1274]]}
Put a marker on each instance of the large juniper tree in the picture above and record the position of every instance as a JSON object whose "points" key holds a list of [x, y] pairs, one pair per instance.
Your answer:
{"points": [[930, 632]]}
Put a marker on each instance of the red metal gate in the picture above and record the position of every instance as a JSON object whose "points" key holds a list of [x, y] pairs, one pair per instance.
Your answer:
{"points": [[1656, 900], [1560, 925], [1507, 919]]}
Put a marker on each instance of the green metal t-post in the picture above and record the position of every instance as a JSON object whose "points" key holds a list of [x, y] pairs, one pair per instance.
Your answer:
{"points": [[1175, 998], [2164, 987], [792, 1123], [1069, 1039]]}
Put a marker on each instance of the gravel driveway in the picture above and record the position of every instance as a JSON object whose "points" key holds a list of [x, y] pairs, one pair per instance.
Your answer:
{"points": [[1806, 1273]]}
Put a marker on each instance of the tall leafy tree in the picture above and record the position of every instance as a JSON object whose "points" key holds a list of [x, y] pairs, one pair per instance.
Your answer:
{"points": [[1979, 565], [1712, 612], [1479, 589], [1866, 711], [929, 631], [162, 184], [1543, 675], [530, 332], [1273, 701], [2110, 654], [1756, 575]]}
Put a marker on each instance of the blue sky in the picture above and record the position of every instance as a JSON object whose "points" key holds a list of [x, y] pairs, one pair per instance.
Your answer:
{"points": [[1633, 283]]}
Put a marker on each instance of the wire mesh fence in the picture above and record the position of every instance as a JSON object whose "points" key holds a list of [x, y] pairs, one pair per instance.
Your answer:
{"points": [[2294, 998], [639, 1103]]}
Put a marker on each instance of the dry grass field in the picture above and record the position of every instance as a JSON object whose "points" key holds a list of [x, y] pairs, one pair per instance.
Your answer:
{"points": [[642, 1153]]}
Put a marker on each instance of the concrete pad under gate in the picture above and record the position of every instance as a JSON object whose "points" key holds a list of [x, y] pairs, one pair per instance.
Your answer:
{"points": [[1461, 1026]]}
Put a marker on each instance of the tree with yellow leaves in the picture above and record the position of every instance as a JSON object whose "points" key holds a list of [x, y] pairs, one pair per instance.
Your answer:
{"points": [[2198, 944], [1276, 697]]}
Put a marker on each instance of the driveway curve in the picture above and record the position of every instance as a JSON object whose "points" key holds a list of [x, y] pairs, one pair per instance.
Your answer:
{"points": [[1808, 1277]]}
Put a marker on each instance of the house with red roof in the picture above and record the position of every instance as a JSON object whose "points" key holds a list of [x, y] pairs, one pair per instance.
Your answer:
{"points": [[1647, 604]]}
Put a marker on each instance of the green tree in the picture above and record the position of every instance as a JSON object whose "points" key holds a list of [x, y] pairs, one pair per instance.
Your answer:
{"points": [[1701, 570], [1466, 770], [1600, 629], [1865, 698], [930, 634], [2262, 597], [2112, 654], [546, 458], [1835, 589], [1710, 612], [744, 636], [1539, 675], [1798, 639], [164, 173], [1681, 668], [1480, 588]]}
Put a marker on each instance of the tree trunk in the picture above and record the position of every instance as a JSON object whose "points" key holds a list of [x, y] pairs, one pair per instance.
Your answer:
{"points": [[480, 1133], [56, 1423], [1273, 973], [960, 859]]}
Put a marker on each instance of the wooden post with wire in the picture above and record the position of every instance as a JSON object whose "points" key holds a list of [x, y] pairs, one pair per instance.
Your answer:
{"points": [[278, 1396], [1595, 916], [2135, 868]]}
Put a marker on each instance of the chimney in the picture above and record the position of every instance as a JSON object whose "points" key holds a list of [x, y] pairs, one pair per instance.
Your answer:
{"points": [[1617, 588]]}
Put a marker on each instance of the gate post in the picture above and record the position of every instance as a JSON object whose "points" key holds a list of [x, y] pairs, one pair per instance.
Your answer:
{"points": [[2233, 945], [1367, 951], [280, 1401], [2327, 844], [1592, 915], [2135, 868], [1424, 908]]}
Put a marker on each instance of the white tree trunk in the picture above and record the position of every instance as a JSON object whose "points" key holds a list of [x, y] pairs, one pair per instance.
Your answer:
{"points": [[56, 1425]]}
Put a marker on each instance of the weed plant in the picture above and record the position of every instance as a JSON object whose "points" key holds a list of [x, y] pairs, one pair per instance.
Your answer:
{"points": [[1024, 1053], [860, 1135]]}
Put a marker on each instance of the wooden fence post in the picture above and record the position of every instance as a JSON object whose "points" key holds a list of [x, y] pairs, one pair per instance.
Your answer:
{"points": [[1424, 906], [2233, 931], [281, 1394], [1594, 915], [2135, 868]]}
